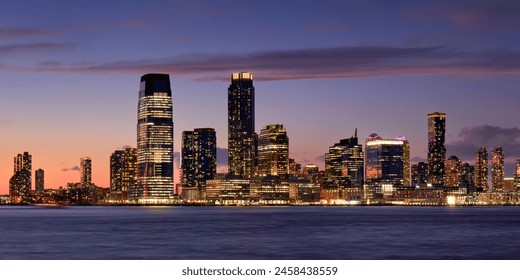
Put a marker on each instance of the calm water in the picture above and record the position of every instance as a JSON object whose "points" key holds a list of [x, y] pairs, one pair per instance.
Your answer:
{"points": [[260, 233]]}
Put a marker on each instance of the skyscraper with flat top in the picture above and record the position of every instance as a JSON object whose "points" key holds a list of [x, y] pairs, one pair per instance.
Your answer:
{"points": [[497, 169], [436, 149], [85, 170], [155, 140], [242, 139], [481, 170], [199, 157], [273, 151], [20, 182], [39, 182]]}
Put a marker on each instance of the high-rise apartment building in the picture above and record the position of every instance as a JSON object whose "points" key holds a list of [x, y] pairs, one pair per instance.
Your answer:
{"points": [[467, 176], [39, 175], [497, 170], [453, 171], [481, 170], [123, 173], [85, 171], [436, 148], [199, 157], [242, 139], [273, 151], [517, 175], [155, 140], [21, 181]]}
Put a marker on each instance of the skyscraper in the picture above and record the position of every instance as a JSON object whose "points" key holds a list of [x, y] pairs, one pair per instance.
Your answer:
{"points": [[39, 182], [155, 140], [497, 170], [467, 177], [21, 181], [273, 151], [385, 160], [85, 171], [242, 139], [453, 171], [188, 155], [346, 159], [481, 170], [517, 174], [123, 174], [436, 149]]}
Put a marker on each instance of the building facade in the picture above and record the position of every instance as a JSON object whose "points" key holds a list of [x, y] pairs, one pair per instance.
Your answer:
{"points": [[21, 181], [481, 170], [85, 171], [497, 170], [345, 160], [273, 151], [39, 175], [453, 171], [420, 174], [123, 173], [155, 140], [242, 139], [436, 148]]}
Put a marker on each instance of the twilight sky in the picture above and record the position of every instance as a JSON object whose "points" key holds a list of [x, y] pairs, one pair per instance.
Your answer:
{"points": [[70, 70]]}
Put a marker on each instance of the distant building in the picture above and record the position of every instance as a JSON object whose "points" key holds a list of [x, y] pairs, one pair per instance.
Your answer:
{"points": [[467, 177], [310, 172], [273, 151], [123, 174], [420, 175], [85, 171], [295, 168], [385, 162], [481, 170], [199, 157], [345, 160], [21, 181], [497, 170], [517, 174], [453, 171], [155, 140], [436, 148], [242, 139], [39, 180]]}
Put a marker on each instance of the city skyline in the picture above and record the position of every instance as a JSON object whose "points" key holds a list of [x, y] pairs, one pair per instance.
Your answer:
{"points": [[69, 81]]}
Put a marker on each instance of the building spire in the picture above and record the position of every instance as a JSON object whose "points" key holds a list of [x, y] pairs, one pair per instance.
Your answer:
{"points": [[355, 133]]}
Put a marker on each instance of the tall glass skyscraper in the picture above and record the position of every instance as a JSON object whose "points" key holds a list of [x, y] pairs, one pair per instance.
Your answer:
{"points": [[40, 180], [155, 140], [123, 173], [199, 157], [242, 139], [481, 170], [85, 170], [436, 148], [20, 182]]}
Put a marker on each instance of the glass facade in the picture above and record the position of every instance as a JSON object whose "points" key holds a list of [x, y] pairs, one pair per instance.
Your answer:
{"points": [[273, 151], [21, 181], [155, 140], [123, 173], [481, 170], [40, 180], [199, 157], [436, 148], [242, 139], [385, 161], [85, 170], [345, 159]]}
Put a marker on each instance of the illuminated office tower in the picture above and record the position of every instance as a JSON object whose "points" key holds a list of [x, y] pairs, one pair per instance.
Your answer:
{"points": [[39, 175], [420, 174], [21, 181], [453, 171], [385, 161], [481, 170], [85, 171], [407, 171], [242, 139], [155, 140], [346, 160], [436, 149], [497, 170], [123, 173], [273, 151]]}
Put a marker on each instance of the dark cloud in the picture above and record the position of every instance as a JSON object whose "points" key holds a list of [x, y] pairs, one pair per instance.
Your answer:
{"points": [[74, 168], [472, 138], [314, 63], [35, 47], [17, 32], [471, 14]]}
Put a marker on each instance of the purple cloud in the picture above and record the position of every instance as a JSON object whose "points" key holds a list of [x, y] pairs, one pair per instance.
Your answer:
{"points": [[316, 63], [17, 32], [35, 47], [472, 138]]}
